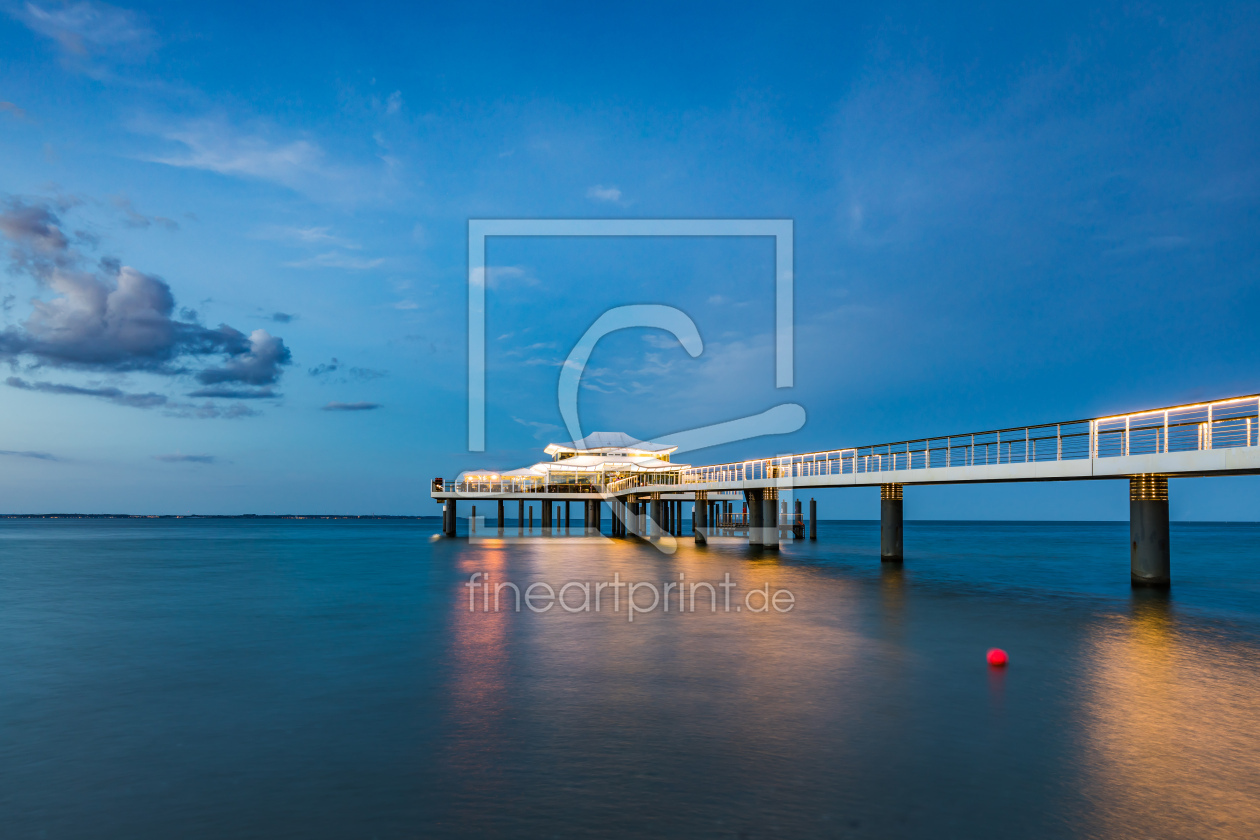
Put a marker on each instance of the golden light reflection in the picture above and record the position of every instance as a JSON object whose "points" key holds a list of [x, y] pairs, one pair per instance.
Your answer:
{"points": [[479, 652], [1173, 726]]}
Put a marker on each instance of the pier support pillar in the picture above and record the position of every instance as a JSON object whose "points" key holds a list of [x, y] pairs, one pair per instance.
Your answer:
{"points": [[596, 516], [520, 515], [770, 518], [753, 504], [813, 519], [546, 517], [700, 518], [499, 521], [1149, 553], [890, 523], [450, 515], [656, 515]]}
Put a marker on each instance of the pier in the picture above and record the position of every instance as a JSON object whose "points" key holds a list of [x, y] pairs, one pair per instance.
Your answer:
{"points": [[646, 489]]}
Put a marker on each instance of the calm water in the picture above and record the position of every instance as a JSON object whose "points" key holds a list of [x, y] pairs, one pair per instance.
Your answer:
{"points": [[211, 679]]}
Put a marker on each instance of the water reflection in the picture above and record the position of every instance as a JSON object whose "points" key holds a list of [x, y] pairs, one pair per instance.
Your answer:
{"points": [[1172, 727], [479, 661]]}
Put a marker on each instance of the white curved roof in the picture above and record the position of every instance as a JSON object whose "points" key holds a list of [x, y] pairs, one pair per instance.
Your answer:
{"points": [[597, 441]]}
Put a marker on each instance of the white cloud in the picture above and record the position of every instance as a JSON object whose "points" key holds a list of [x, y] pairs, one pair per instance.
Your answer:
{"points": [[337, 259], [214, 145], [90, 30], [306, 236], [602, 193]]}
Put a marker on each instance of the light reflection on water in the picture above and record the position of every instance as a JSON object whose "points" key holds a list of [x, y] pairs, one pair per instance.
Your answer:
{"points": [[1171, 726], [319, 680]]}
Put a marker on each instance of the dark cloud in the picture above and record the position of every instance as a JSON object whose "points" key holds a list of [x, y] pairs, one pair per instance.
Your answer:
{"points": [[118, 319], [228, 392], [354, 406], [328, 371], [34, 232], [43, 456], [114, 395], [178, 458], [209, 411], [282, 317], [12, 109], [261, 365]]}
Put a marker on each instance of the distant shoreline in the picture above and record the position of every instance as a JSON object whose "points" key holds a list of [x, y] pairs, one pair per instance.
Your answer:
{"points": [[204, 516]]}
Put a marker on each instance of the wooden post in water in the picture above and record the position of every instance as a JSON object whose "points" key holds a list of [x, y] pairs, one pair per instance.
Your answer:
{"points": [[813, 519]]}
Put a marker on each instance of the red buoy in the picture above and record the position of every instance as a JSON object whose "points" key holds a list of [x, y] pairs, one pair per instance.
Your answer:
{"points": [[996, 657]]}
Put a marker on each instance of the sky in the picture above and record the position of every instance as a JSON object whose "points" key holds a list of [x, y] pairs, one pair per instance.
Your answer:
{"points": [[235, 237]]}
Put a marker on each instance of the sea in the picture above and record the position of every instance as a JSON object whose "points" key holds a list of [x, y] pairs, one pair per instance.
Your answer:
{"points": [[234, 678]]}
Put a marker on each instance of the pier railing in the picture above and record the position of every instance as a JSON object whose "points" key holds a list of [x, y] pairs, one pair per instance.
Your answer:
{"points": [[1221, 424], [1215, 425]]}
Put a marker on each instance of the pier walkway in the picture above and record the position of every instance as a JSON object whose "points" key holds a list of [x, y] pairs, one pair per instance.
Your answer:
{"points": [[1148, 447]]}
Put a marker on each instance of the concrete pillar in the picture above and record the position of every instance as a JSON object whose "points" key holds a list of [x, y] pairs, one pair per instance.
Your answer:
{"points": [[546, 517], [520, 515], [472, 520], [700, 519], [813, 519], [753, 506], [1149, 553], [500, 519], [770, 517], [890, 523], [451, 516], [596, 516], [655, 515], [531, 517], [568, 518]]}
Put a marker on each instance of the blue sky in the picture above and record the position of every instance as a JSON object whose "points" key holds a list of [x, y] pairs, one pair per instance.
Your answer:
{"points": [[1003, 215]]}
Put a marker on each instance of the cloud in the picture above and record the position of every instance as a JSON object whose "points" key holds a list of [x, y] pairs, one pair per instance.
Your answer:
{"points": [[117, 319], [209, 411], [541, 431], [602, 193], [496, 276], [214, 145], [282, 317], [335, 371], [88, 31], [42, 456], [136, 219], [9, 107], [305, 236], [354, 406], [394, 103], [121, 326], [337, 259], [179, 458], [227, 392], [261, 365], [33, 230], [114, 395]]}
